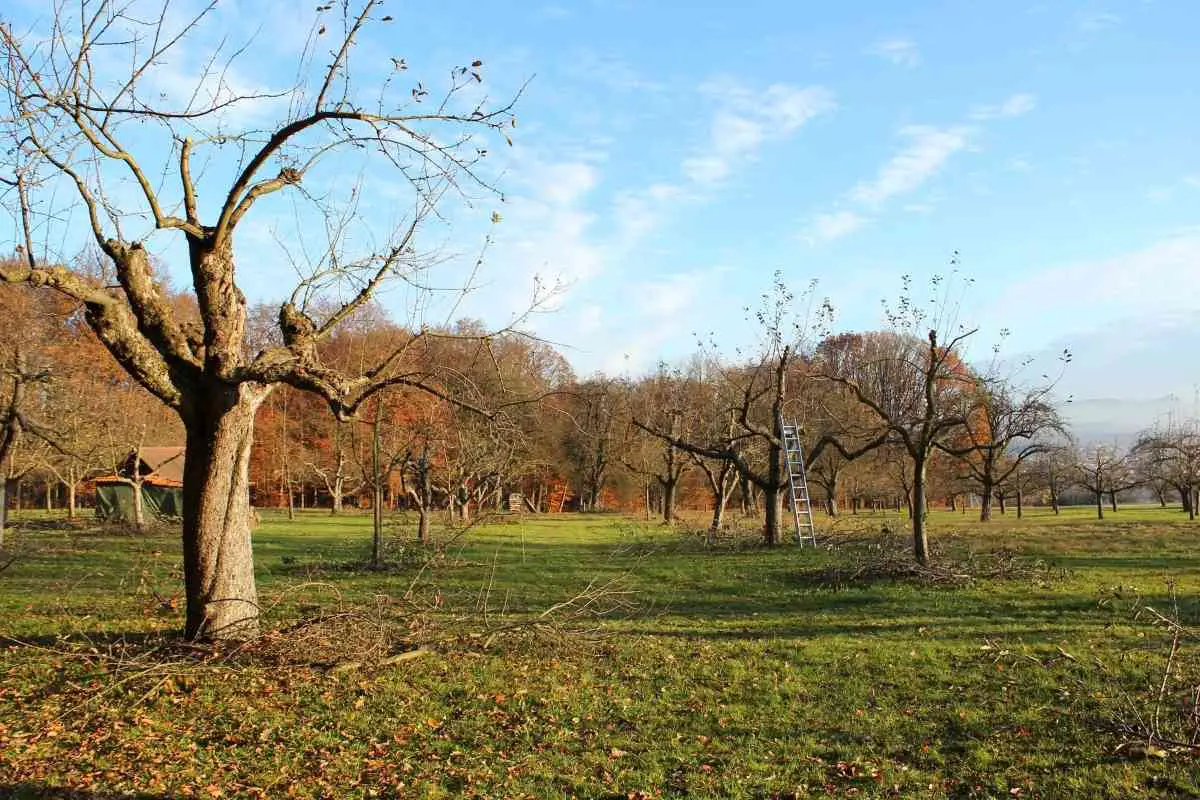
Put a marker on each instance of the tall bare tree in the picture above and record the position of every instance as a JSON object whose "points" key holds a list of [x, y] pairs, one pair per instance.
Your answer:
{"points": [[916, 386], [85, 109]]}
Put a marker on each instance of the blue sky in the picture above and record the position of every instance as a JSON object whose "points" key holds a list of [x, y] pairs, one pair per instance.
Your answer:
{"points": [[670, 157]]}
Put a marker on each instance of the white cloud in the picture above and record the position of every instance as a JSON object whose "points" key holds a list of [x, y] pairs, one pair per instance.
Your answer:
{"points": [[588, 320], [1192, 180], [1015, 106], [666, 298], [564, 182], [831, 226], [900, 51], [747, 121], [1163, 277], [928, 150], [639, 212]]}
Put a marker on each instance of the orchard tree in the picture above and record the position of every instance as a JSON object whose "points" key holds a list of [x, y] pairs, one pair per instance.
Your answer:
{"points": [[1170, 454], [1104, 469], [84, 108], [1004, 426], [758, 394], [915, 385]]}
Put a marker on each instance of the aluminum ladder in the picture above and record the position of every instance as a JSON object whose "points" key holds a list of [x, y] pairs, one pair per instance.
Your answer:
{"points": [[806, 533]]}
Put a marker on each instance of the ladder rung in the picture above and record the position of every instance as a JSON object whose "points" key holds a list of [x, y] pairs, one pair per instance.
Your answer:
{"points": [[806, 532]]}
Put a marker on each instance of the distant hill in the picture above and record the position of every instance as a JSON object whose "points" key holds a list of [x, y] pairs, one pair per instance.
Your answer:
{"points": [[1125, 377]]}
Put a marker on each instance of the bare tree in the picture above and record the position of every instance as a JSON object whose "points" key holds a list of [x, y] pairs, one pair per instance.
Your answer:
{"points": [[915, 386], [1003, 428], [1171, 454], [593, 441], [72, 120], [1104, 469], [665, 400], [757, 396]]}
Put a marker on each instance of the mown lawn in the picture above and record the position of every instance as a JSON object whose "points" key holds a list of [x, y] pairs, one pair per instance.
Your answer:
{"points": [[677, 670]]}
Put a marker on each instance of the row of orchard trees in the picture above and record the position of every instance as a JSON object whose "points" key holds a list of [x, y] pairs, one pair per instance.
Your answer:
{"points": [[347, 167], [882, 412], [889, 418]]}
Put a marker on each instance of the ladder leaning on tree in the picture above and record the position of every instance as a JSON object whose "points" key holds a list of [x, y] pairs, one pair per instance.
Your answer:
{"points": [[806, 533]]}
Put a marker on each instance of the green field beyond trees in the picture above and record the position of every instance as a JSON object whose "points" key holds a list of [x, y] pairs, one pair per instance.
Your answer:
{"points": [[605, 657]]}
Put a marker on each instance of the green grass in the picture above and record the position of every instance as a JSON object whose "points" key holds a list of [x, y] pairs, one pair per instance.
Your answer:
{"points": [[740, 672]]}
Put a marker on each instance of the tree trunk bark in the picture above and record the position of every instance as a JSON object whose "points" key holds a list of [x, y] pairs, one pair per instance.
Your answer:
{"points": [[668, 488], [139, 509], [423, 524], [920, 536], [1112, 498], [71, 499], [747, 496], [718, 516], [339, 486], [1054, 501], [218, 561], [773, 501], [1099, 504], [1020, 503], [49, 496], [1002, 497], [376, 495], [985, 502]]}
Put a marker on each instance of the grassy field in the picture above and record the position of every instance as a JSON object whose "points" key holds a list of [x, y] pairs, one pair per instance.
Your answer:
{"points": [[599, 656]]}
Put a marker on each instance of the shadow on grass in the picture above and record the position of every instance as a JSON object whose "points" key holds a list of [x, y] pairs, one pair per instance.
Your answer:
{"points": [[28, 790]]}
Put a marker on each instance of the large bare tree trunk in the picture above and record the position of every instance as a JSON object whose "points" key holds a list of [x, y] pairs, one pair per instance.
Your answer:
{"points": [[222, 602], [917, 502], [1099, 504]]}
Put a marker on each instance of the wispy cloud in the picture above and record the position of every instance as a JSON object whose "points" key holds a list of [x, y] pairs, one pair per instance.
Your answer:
{"points": [[1161, 277], [927, 151], [831, 226], [611, 72], [1015, 106], [745, 121], [1092, 21], [900, 51], [749, 119]]}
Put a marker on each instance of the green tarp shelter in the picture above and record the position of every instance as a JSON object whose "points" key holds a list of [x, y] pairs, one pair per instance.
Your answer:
{"points": [[114, 501], [161, 471]]}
